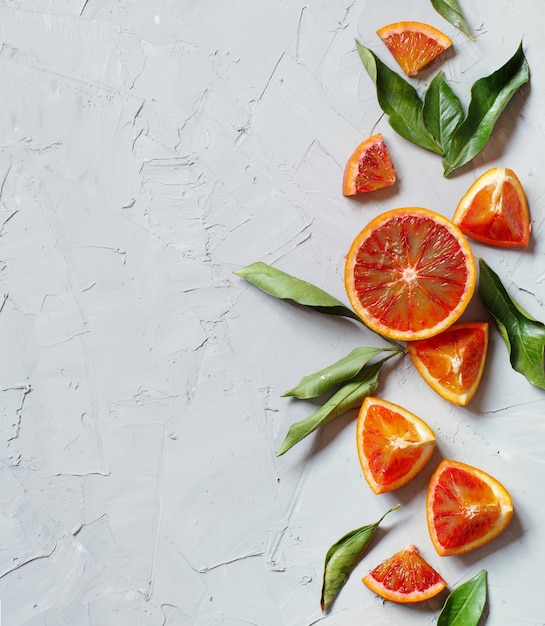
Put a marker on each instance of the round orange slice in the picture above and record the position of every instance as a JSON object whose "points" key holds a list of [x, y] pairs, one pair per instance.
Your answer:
{"points": [[495, 210], [413, 44], [405, 577], [466, 508], [393, 444], [369, 168], [410, 274], [452, 362]]}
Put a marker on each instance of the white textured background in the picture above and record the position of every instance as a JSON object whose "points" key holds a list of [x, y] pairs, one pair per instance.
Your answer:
{"points": [[147, 149]]}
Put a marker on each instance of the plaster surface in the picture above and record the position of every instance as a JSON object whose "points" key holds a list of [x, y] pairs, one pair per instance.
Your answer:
{"points": [[147, 150]]}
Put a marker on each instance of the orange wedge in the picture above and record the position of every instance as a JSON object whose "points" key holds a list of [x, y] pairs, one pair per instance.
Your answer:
{"points": [[393, 444], [452, 362], [495, 210], [466, 508], [369, 168], [413, 44], [410, 274], [405, 577]]}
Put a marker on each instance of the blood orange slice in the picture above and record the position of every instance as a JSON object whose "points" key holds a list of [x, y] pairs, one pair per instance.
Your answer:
{"points": [[405, 577], [410, 274], [495, 210], [393, 444], [413, 44], [369, 168], [466, 508], [452, 362]]}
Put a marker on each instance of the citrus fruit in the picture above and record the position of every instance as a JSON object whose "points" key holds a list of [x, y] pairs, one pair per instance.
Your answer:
{"points": [[393, 444], [413, 44], [369, 168], [452, 362], [466, 508], [405, 577], [410, 274], [494, 210]]}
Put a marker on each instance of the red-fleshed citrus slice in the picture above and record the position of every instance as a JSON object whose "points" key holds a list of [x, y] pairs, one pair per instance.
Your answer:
{"points": [[495, 210], [369, 168], [452, 362], [393, 444], [413, 44], [405, 577], [466, 508], [410, 274]]}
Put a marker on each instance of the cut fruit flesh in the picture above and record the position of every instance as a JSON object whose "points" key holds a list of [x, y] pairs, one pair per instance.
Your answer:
{"points": [[369, 168], [453, 361], [414, 44], [410, 274], [393, 444], [405, 577], [494, 210], [466, 508]]}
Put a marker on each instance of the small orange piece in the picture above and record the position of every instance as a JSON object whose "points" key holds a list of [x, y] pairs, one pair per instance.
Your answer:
{"points": [[410, 274], [452, 362], [405, 577], [466, 508], [393, 444], [495, 210], [369, 168], [414, 44]]}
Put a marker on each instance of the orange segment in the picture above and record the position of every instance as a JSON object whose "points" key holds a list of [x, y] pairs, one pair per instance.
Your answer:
{"points": [[413, 44], [466, 508], [369, 168], [410, 274], [452, 362], [495, 210], [405, 577], [393, 444]]}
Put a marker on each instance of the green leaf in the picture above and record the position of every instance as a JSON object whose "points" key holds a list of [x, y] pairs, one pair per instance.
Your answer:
{"points": [[465, 604], [399, 100], [450, 10], [287, 287], [523, 335], [348, 397], [318, 383], [343, 556], [443, 111], [489, 97]]}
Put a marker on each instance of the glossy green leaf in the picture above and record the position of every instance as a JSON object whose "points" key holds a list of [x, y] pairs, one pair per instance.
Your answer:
{"points": [[348, 397], [343, 556], [489, 97], [443, 111], [399, 100], [287, 287], [450, 10], [523, 335], [465, 604], [339, 372]]}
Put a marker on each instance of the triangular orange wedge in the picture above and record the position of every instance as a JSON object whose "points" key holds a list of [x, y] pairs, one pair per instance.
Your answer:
{"points": [[414, 44], [405, 577], [369, 168], [393, 444], [410, 274], [466, 508], [495, 210], [452, 362]]}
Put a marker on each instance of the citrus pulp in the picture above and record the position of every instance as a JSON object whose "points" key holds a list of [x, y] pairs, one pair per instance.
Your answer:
{"points": [[405, 577], [466, 508], [393, 444], [413, 44], [452, 362], [410, 274]]}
